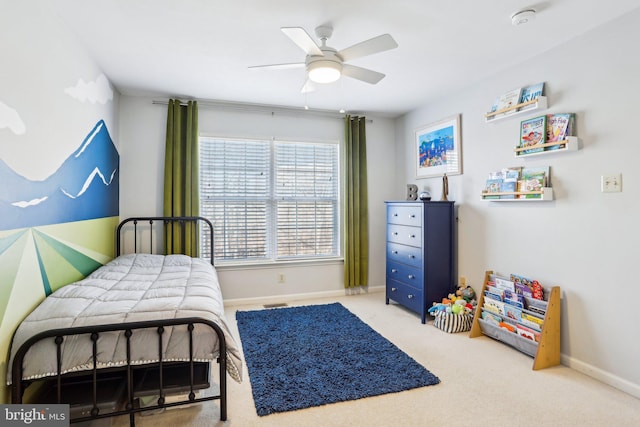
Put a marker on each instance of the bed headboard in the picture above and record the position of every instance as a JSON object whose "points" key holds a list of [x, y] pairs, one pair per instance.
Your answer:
{"points": [[143, 230]]}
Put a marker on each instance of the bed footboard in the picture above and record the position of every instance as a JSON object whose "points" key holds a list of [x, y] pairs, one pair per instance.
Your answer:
{"points": [[128, 330]]}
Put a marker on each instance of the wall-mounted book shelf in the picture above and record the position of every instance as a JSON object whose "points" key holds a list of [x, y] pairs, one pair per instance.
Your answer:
{"points": [[544, 195], [545, 349], [569, 144], [539, 103]]}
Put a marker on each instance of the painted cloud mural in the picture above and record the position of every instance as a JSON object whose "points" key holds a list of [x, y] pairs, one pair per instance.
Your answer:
{"points": [[97, 91]]}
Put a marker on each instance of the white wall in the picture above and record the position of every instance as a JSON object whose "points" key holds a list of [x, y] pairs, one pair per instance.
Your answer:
{"points": [[142, 135], [585, 241]]}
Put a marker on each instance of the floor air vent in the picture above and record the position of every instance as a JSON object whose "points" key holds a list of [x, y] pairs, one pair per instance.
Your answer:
{"points": [[275, 305]]}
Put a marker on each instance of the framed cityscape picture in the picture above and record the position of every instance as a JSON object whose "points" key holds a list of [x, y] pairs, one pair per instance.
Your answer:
{"points": [[439, 148]]}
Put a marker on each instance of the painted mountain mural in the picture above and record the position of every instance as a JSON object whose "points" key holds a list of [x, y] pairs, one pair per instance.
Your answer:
{"points": [[86, 186]]}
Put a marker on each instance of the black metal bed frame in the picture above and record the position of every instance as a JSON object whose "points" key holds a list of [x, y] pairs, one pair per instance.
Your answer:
{"points": [[58, 335]]}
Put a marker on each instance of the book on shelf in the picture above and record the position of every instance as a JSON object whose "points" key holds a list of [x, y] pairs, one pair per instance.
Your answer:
{"points": [[492, 186], [508, 187], [509, 327], [528, 333], [506, 100], [529, 93], [494, 293], [514, 299], [490, 317], [513, 312], [516, 278], [494, 306], [524, 290], [559, 126], [504, 284], [512, 174], [533, 132], [531, 320], [536, 306], [535, 179], [509, 183]]}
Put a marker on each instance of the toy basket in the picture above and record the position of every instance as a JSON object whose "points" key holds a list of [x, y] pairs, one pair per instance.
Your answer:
{"points": [[453, 323]]}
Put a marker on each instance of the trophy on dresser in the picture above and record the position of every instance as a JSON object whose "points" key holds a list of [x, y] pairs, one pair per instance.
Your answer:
{"points": [[445, 187]]}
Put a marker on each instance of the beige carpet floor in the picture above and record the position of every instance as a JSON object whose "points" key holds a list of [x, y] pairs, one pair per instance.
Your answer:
{"points": [[483, 383]]}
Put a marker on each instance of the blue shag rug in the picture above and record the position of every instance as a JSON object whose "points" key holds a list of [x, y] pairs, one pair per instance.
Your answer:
{"points": [[314, 355]]}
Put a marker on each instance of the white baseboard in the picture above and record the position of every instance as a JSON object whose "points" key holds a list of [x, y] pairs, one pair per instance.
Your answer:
{"points": [[296, 297], [603, 376]]}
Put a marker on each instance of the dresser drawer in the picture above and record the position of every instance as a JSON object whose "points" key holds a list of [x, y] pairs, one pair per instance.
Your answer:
{"points": [[404, 254], [404, 234], [406, 295], [405, 215], [404, 273]]}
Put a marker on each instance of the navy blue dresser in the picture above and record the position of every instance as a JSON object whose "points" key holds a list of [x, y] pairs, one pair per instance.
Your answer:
{"points": [[420, 253]]}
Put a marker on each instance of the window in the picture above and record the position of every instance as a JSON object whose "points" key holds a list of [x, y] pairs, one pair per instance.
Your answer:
{"points": [[270, 200]]}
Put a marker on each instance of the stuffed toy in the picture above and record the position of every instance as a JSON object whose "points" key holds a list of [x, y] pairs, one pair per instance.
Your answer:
{"points": [[466, 292]]}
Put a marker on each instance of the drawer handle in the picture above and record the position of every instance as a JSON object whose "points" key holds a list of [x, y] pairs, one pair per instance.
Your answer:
{"points": [[410, 296], [394, 289], [394, 252], [411, 276], [393, 270], [413, 236], [412, 256], [412, 216], [395, 233], [395, 214]]}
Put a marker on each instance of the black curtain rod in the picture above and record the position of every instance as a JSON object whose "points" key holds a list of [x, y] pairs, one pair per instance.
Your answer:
{"points": [[263, 108]]}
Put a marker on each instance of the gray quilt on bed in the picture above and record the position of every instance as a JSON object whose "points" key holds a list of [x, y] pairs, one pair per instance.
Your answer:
{"points": [[131, 288]]}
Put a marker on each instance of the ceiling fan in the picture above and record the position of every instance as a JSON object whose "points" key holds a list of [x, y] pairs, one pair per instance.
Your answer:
{"points": [[325, 64]]}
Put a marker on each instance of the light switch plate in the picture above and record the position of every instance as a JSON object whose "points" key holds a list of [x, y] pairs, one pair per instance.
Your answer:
{"points": [[611, 183]]}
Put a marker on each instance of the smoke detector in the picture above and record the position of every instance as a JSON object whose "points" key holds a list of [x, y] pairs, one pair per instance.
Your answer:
{"points": [[522, 17]]}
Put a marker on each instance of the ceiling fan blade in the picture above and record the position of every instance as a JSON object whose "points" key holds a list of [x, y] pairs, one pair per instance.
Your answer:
{"points": [[368, 47], [279, 66], [363, 74], [300, 37], [308, 87]]}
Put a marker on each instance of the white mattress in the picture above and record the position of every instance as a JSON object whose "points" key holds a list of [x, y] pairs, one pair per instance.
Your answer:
{"points": [[130, 288]]}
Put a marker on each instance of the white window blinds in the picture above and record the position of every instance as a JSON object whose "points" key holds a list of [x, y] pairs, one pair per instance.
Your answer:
{"points": [[270, 200]]}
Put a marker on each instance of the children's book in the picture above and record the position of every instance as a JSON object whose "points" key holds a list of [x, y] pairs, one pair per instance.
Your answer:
{"points": [[523, 290], [490, 317], [494, 293], [511, 174], [528, 333], [507, 100], [509, 183], [507, 326], [504, 284], [530, 93], [492, 296], [494, 306], [535, 178], [512, 312], [508, 187], [533, 132], [558, 128], [514, 299], [532, 321], [492, 186]]}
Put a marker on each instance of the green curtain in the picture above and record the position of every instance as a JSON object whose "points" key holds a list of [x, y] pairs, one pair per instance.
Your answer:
{"points": [[356, 248], [181, 177]]}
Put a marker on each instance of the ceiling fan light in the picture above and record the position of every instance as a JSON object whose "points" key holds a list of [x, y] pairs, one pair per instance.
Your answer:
{"points": [[324, 71]]}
